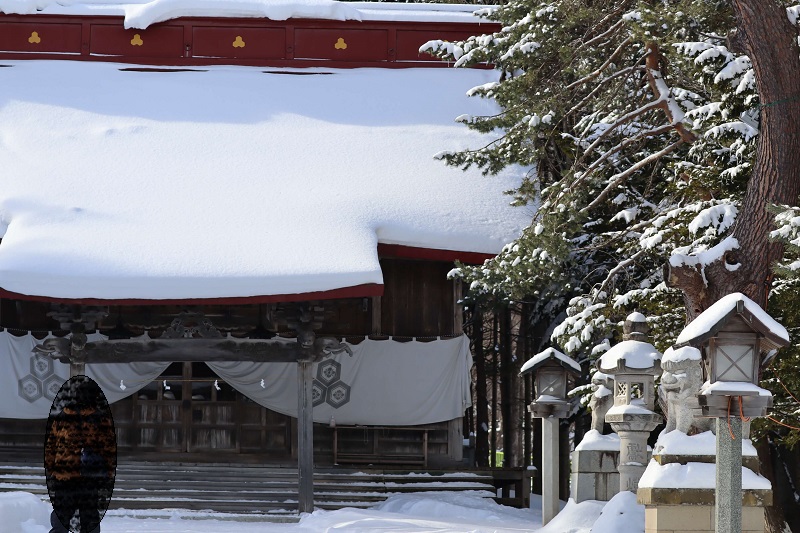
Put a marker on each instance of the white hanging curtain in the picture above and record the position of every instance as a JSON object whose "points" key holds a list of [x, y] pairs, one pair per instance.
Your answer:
{"points": [[383, 383], [29, 382]]}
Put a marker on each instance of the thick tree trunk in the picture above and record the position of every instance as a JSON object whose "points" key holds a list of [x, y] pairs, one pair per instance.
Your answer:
{"points": [[765, 34]]}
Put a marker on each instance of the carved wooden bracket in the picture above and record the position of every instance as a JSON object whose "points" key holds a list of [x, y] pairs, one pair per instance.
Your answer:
{"points": [[192, 337]]}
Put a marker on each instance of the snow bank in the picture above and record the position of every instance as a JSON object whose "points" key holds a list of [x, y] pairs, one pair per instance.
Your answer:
{"points": [[234, 182], [23, 512], [621, 515], [576, 518], [427, 512], [678, 443], [695, 476]]}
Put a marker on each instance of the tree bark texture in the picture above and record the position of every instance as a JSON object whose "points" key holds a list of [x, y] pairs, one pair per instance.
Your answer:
{"points": [[765, 34], [481, 398], [508, 390]]}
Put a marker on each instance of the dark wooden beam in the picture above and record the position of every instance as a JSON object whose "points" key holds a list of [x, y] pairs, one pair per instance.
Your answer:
{"points": [[176, 350], [305, 437]]}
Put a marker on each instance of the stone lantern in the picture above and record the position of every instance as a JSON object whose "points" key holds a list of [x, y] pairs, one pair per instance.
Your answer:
{"points": [[634, 363], [554, 373], [736, 339]]}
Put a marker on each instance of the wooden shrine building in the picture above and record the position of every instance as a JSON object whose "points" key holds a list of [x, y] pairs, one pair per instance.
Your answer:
{"points": [[210, 213]]}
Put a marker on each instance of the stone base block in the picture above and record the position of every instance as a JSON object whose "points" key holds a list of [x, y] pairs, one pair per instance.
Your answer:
{"points": [[594, 475], [584, 461], [594, 486], [696, 519]]}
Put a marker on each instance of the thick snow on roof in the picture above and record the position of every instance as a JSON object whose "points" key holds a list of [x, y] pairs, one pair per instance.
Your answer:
{"points": [[637, 354], [712, 316], [234, 181], [549, 353], [142, 13]]}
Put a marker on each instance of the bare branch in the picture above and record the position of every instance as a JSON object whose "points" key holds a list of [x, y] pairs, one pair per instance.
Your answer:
{"points": [[662, 93], [619, 122], [602, 83], [622, 176], [598, 71], [624, 144], [623, 264]]}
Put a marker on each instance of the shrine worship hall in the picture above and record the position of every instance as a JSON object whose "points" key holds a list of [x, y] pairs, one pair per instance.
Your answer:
{"points": [[236, 220]]}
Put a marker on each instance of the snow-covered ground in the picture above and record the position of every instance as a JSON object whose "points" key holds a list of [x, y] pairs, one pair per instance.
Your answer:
{"points": [[22, 512]]}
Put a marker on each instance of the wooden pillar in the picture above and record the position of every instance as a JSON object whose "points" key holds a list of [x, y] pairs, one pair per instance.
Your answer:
{"points": [[305, 438], [77, 369]]}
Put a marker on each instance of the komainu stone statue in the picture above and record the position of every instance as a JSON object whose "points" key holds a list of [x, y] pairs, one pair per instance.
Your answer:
{"points": [[680, 384], [602, 399]]}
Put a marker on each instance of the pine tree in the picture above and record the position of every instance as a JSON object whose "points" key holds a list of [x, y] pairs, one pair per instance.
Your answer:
{"points": [[652, 136]]}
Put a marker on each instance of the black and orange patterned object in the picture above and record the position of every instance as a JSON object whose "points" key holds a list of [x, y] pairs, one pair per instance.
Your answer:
{"points": [[80, 456]]}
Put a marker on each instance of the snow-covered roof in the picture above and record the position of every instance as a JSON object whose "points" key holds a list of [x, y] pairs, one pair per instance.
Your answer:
{"points": [[710, 321], [233, 181], [634, 354], [142, 13], [547, 355]]}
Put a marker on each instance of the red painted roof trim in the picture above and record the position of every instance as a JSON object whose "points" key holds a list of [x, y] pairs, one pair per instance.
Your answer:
{"points": [[356, 291], [398, 251]]}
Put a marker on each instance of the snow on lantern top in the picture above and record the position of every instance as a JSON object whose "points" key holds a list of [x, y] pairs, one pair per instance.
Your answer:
{"points": [[719, 317], [553, 372], [634, 353], [550, 354], [634, 363]]}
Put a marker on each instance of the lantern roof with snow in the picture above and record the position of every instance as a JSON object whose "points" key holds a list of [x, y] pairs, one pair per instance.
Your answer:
{"points": [[549, 356], [720, 316], [634, 355]]}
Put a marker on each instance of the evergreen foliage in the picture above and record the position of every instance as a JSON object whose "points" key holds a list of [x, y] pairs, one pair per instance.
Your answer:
{"points": [[635, 127]]}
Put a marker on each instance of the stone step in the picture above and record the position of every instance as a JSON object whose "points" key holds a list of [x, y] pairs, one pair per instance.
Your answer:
{"points": [[250, 490]]}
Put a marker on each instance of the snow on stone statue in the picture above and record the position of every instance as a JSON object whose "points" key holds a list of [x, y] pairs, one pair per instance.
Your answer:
{"points": [[680, 383], [602, 399]]}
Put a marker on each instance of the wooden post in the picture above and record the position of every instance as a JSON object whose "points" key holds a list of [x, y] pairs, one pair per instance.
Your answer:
{"points": [[305, 438], [376, 315], [77, 369]]}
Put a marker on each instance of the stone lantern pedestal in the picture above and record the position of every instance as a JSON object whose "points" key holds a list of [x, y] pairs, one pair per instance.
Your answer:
{"points": [[634, 429], [553, 372], [634, 363]]}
